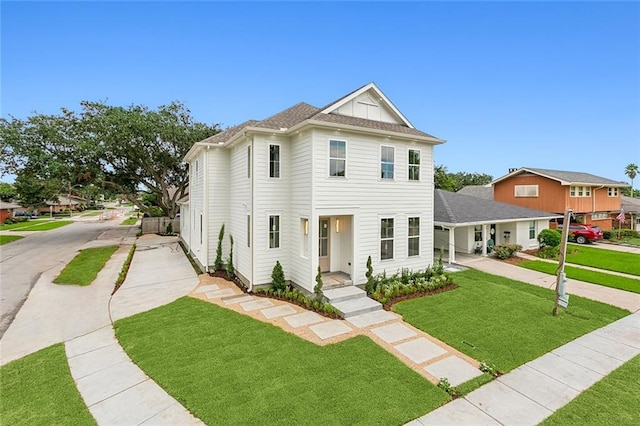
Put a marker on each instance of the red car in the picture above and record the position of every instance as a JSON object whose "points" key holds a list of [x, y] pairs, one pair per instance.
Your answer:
{"points": [[585, 233]]}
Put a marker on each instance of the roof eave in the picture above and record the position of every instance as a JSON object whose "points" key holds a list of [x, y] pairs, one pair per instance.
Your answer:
{"points": [[489, 221]]}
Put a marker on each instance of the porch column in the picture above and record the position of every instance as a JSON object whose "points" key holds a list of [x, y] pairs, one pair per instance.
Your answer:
{"points": [[452, 245], [484, 239]]}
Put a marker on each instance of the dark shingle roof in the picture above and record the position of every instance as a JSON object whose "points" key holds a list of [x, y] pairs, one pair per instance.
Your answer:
{"points": [[229, 133], [289, 117], [630, 205], [455, 208], [479, 191], [575, 177]]}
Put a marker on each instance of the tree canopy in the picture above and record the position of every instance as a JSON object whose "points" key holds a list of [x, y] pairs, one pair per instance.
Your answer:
{"points": [[125, 150], [456, 181]]}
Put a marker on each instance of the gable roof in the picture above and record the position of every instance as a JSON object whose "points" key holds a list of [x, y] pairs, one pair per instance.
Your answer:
{"points": [[301, 114], [630, 205], [480, 191], [565, 177], [455, 209], [4, 205]]}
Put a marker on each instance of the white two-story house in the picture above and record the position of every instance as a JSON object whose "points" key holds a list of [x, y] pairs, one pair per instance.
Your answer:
{"points": [[313, 187]]}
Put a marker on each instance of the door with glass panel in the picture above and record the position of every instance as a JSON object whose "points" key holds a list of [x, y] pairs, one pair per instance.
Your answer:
{"points": [[323, 245]]}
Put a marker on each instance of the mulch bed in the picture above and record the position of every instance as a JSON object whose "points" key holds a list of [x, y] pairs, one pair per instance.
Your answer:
{"points": [[387, 306]]}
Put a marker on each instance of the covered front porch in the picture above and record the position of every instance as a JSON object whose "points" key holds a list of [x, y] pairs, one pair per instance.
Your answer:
{"points": [[335, 249]]}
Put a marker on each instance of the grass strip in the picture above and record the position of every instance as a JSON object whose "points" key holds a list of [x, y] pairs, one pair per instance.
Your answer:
{"points": [[614, 400], [4, 239], [610, 260], [84, 268], [501, 321], [129, 221], [45, 226], [125, 268], [39, 390], [26, 223], [228, 368], [586, 275]]}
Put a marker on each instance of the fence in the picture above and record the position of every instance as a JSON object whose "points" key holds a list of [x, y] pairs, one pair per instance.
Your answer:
{"points": [[158, 225]]}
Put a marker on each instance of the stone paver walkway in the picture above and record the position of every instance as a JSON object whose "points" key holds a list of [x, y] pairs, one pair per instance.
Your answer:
{"points": [[421, 352]]}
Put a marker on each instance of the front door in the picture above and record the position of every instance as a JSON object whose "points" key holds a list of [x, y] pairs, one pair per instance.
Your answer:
{"points": [[323, 245]]}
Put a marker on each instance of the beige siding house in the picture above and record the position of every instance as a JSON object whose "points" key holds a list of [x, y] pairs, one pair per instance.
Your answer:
{"points": [[313, 187]]}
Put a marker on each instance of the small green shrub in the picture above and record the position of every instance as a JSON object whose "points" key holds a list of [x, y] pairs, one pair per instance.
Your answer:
{"points": [[549, 252], [386, 289], [549, 238], [229, 266], [278, 283], [485, 367], [505, 251], [318, 287], [297, 297], [218, 264], [369, 275], [446, 386], [169, 228]]}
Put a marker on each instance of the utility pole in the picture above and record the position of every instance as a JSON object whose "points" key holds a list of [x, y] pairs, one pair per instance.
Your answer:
{"points": [[562, 298]]}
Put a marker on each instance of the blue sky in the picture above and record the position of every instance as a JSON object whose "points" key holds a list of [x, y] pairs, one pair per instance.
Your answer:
{"points": [[508, 84]]}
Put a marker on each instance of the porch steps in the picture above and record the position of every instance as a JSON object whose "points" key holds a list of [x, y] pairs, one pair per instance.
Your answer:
{"points": [[351, 301]]}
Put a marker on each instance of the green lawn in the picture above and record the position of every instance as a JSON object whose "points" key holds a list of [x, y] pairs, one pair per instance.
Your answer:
{"points": [[504, 322], [84, 268], [130, 221], [4, 239], [19, 225], [614, 400], [39, 390], [600, 278], [43, 225], [611, 260], [228, 368]]}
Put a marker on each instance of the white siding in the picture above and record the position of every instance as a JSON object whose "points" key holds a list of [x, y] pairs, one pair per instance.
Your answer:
{"points": [[240, 207], [217, 201], [369, 198], [196, 208]]}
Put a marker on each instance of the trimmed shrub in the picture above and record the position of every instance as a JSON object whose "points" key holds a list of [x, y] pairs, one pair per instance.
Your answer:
{"points": [[549, 252], [505, 251], [229, 265], [219, 264], [278, 283], [318, 287], [549, 238], [369, 275]]}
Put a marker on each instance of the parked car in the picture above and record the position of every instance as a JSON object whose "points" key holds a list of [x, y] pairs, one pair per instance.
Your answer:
{"points": [[585, 233]]}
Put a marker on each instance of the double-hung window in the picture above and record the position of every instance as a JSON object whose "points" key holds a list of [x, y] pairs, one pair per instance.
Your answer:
{"points": [[387, 154], [337, 158], [274, 231], [414, 236], [386, 238], [414, 164], [274, 161], [532, 229]]}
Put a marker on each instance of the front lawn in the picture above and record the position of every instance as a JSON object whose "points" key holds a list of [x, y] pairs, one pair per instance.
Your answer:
{"points": [[227, 368], [611, 260], [614, 400], [4, 239], [43, 226], [130, 221], [18, 225], [39, 390], [586, 275], [84, 268], [501, 321]]}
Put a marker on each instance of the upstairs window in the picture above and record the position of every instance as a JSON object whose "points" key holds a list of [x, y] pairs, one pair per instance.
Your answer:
{"points": [[274, 161], [387, 154], [386, 239], [526, 191], [337, 158], [580, 191], [613, 192], [414, 164]]}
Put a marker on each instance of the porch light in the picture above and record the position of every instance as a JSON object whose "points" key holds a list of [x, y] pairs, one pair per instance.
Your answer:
{"points": [[337, 225], [306, 227]]}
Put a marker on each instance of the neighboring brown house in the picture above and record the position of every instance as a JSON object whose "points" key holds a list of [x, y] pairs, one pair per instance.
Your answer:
{"points": [[64, 204], [594, 200], [6, 210]]}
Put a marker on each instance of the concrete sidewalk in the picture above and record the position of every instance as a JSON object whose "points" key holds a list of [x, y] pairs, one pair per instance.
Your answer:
{"points": [[535, 390]]}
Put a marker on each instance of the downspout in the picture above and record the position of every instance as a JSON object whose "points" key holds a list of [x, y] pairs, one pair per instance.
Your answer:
{"points": [[252, 211], [205, 208]]}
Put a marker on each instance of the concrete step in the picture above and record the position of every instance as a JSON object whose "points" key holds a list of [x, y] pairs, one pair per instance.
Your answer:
{"points": [[359, 306], [340, 294]]}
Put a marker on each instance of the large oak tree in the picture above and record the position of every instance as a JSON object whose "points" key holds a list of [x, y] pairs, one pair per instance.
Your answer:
{"points": [[126, 150]]}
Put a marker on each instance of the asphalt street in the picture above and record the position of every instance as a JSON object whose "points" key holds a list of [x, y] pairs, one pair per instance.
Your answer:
{"points": [[23, 261]]}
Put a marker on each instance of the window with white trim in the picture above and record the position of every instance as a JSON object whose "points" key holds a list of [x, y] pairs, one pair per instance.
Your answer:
{"points": [[526, 190], [414, 236], [532, 229], [387, 159], [599, 215], [386, 238], [477, 233], [274, 231], [274, 161], [580, 191], [337, 158], [414, 164], [613, 192]]}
